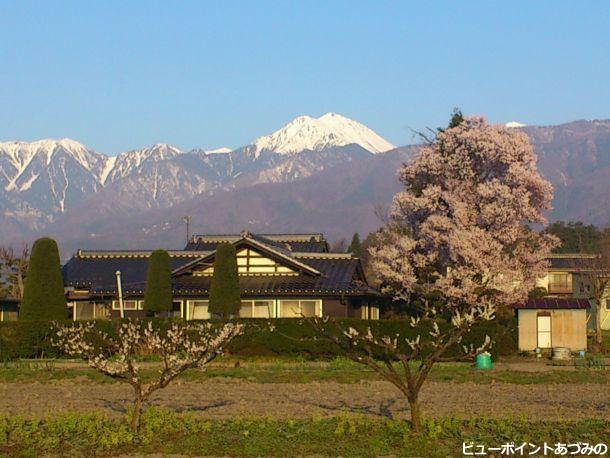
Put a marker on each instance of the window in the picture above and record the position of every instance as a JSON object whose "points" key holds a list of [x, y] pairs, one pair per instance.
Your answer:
{"points": [[374, 313], [127, 305], [176, 309], [364, 312], [289, 309], [308, 308], [560, 283], [295, 308], [262, 309], [544, 331], [369, 312], [256, 309], [198, 310]]}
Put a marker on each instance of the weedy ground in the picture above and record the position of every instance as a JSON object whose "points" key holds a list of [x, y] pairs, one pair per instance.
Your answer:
{"points": [[165, 432], [298, 370]]}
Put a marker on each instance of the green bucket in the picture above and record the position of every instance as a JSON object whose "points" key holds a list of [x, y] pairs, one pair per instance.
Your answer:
{"points": [[483, 361]]}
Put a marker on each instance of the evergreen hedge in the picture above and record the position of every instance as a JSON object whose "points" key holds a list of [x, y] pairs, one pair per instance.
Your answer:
{"points": [[225, 297], [158, 293], [33, 339], [43, 295]]}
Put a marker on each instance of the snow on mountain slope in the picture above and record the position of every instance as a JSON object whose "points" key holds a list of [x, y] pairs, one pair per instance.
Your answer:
{"points": [[127, 163], [21, 162], [307, 133], [514, 124], [221, 150], [41, 179]]}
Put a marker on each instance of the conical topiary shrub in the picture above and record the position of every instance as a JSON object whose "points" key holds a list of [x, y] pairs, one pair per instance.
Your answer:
{"points": [[158, 292], [43, 294], [356, 246], [225, 299]]}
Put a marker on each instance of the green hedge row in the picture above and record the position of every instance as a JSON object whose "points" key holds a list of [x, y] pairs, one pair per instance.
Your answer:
{"points": [[291, 337]]}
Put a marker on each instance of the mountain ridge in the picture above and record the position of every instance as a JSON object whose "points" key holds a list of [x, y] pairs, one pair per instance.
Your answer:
{"points": [[55, 193]]}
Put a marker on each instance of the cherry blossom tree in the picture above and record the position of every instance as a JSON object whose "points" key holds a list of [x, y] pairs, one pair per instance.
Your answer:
{"points": [[181, 346], [457, 243]]}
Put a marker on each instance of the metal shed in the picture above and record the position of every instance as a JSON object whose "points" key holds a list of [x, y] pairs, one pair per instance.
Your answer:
{"points": [[553, 322]]}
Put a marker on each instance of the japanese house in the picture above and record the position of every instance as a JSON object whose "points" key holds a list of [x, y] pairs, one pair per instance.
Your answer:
{"points": [[567, 277], [280, 276]]}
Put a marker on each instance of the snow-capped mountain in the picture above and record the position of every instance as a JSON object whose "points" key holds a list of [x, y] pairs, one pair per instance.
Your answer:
{"points": [[134, 161], [46, 177], [61, 187], [514, 124], [341, 199], [43, 180], [315, 134], [22, 163]]}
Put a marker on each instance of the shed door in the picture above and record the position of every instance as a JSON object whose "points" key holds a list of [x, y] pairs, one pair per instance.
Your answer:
{"points": [[544, 332]]}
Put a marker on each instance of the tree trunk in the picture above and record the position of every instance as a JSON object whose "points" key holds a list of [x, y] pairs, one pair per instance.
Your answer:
{"points": [[136, 414], [20, 286], [415, 413], [598, 323]]}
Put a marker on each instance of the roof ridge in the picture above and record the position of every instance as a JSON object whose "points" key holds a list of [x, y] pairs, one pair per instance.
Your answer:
{"points": [[572, 255], [135, 253], [303, 237], [320, 255]]}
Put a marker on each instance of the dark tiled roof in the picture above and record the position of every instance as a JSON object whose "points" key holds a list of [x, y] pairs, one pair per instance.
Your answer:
{"points": [[9, 301], [569, 261], [336, 278], [272, 244], [314, 243], [312, 246], [320, 273], [97, 269], [555, 303]]}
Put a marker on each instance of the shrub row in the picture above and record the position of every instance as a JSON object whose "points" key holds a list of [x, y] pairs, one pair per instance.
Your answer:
{"points": [[291, 337]]}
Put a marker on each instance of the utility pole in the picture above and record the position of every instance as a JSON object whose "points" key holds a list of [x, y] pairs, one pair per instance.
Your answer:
{"points": [[119, 287], [187, 220]]}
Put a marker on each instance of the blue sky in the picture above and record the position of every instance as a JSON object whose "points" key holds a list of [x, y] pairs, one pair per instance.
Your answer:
{"points": [[119, 75]]}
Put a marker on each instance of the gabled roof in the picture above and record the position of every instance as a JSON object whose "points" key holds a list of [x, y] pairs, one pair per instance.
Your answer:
{"points": [[338, 276], [272, 250], [321, 273]]}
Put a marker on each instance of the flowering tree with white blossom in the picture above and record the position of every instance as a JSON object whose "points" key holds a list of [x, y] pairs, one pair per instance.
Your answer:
{"points": [[181, 346], [457, 243]]}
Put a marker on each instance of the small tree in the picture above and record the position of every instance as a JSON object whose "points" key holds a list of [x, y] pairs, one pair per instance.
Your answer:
{"points": [[457, 239], [576, 237], [182, 346], [595, 270], [43, 294], [158, 294], [339, 246], [225, 299], [13, 268], [355, 247]]}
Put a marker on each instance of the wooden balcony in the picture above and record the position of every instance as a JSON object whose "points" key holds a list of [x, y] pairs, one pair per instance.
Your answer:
{"points": [[560, 289]]}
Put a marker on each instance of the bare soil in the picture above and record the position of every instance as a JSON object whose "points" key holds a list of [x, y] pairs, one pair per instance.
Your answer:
{"points": [[219, 398]]}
